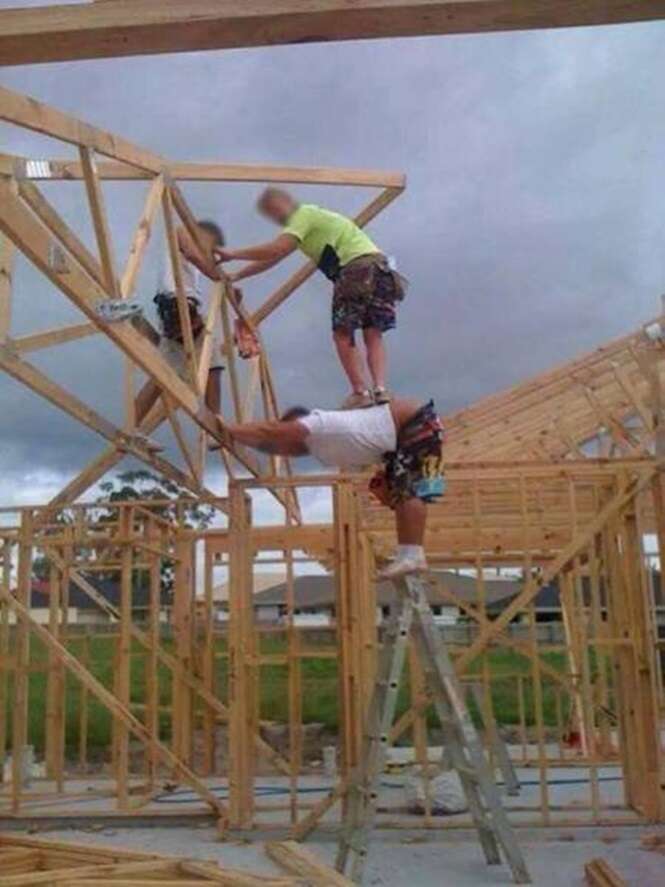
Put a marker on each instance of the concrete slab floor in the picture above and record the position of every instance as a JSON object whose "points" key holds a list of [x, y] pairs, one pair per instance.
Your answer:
{"points": [[555, 858]]}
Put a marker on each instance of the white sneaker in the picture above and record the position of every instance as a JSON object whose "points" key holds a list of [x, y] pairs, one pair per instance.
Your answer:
{"points": [[405, 566]]}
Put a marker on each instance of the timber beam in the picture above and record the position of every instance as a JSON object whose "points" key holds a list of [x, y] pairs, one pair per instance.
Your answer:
{"points": [[60, 32]]}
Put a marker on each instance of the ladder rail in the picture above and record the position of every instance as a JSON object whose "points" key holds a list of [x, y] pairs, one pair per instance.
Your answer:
{"points": [[364, 785], [462, 745]]}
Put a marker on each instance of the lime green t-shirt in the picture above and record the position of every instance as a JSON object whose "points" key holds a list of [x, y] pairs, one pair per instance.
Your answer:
{"points": [[315, 228]]}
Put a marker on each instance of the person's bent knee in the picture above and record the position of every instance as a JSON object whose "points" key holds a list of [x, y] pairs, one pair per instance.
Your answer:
{"points": [[344, 335]]}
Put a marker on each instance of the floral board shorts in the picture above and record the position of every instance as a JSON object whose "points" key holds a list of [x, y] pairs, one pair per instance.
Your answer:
{"points": [[365, 295], [415, 468]]}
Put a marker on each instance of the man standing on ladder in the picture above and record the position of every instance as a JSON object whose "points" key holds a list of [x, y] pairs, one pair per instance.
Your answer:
{"points": [[405, 435], [366, 286]]}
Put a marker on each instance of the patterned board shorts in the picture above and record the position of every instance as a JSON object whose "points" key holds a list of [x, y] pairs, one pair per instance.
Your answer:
{"points": [[415, 468], [365, 295]]}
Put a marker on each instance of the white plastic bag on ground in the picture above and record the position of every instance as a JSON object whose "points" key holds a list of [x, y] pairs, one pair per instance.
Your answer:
{"points": [[445, 793]]}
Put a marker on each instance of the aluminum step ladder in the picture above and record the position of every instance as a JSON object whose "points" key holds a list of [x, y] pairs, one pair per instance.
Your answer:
{"points": [[463, 748]]}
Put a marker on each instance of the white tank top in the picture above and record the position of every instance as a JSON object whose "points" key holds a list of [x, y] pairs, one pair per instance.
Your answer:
{"points": [[350, 439]]}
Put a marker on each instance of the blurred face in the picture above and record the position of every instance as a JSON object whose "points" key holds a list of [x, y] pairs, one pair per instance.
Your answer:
{"points": [[278, 208]]}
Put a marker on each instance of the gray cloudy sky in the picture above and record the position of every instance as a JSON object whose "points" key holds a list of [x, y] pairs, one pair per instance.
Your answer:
{"points": [[532, 227]]}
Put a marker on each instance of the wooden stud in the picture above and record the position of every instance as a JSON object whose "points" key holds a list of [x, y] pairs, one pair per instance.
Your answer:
{"points": [[599, 873], [298, 860], [22, 655], [241, 640], [6, 270], [5, 576], [49, 338]]}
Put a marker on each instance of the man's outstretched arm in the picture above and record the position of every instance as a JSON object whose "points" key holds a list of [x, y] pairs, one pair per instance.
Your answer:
{"points": [[275, 251], [251, 269], [276, 438]]}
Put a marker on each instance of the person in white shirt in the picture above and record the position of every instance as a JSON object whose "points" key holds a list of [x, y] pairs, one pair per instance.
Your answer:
{"points": [[196, 264], [405, 436]]}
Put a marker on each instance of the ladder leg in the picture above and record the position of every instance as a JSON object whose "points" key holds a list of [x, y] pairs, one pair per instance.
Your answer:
{"points": [[461, 738], [364, 783]]}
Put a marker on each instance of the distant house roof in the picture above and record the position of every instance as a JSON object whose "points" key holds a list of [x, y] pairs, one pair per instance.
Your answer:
{"points": [[262, 582], [108, 588], [318, 591]]}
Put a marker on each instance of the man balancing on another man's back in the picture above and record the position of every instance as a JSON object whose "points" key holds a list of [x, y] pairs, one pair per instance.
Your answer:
{"points": [[366, 287], [405, 435]]}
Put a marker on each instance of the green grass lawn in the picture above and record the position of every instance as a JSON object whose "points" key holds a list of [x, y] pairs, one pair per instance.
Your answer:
{"points": [[318, 678]]}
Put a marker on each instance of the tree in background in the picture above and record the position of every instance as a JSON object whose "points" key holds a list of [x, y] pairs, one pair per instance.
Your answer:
{"points": [[144, 485], [134, 486], [41, 565]]}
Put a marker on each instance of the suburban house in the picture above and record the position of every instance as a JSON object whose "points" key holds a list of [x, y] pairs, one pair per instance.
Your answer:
{"points": [[314, 598], [220, 595], [82, 610]]}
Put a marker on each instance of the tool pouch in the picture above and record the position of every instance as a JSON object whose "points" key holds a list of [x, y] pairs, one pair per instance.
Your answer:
{"points": [[329, 264], [370, 276]]}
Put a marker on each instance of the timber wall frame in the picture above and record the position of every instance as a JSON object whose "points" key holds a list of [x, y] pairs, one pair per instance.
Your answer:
{"points": [[198, 711], [107, 28]]}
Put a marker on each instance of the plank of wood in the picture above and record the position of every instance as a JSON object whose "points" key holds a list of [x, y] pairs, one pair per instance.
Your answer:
{"points": [[73, 880], [6, 270], [213, 171], [191, 358], [9, 839], [299, 860], [141, 236], [91, 867], [28, 112], [599, 873], [99, 217], [231, 877], [49, 338], [101, 30]]}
